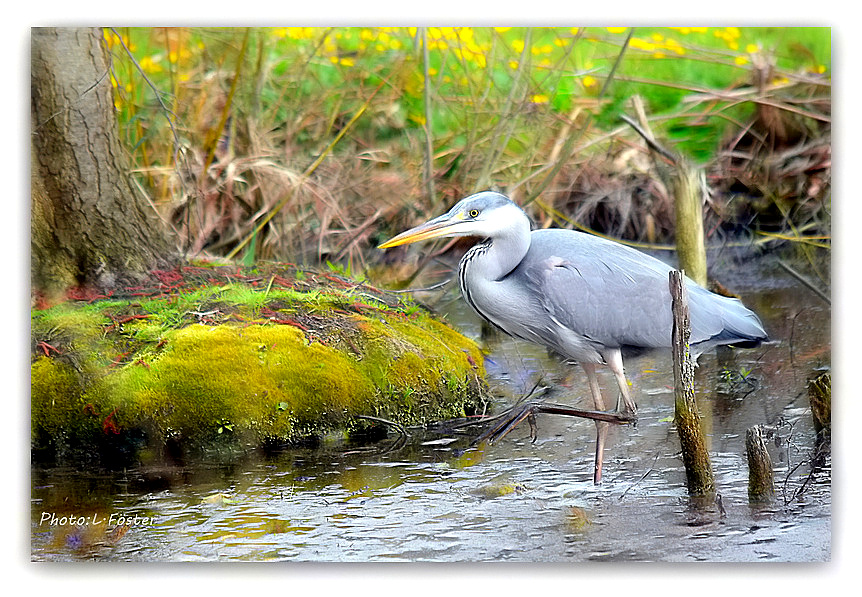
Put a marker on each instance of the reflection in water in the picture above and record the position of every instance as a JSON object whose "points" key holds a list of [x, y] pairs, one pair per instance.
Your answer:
{"points": [[444, 501]]}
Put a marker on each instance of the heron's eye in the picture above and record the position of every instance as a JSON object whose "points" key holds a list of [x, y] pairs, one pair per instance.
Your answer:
{"points": [[473, 213]]}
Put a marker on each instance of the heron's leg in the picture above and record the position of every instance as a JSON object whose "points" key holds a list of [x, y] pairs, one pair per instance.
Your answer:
{"points": [[614, 359], [601, 427]]}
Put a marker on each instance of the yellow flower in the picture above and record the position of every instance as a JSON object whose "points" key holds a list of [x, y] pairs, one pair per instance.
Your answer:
{"points": [[518, 45], [641, 44], [501, 29], [673, 45], [616, 29], [513, 64], [300, 32], [150, 64], [752, 48], [589, 81], [539, 98], [741, 60], [574, 30]]}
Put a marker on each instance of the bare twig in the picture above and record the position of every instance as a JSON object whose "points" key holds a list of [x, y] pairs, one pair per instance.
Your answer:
{"points": [[652, 143], [805, 281]]}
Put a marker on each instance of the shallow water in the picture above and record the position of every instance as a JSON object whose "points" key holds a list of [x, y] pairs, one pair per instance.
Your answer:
{"points": [[437, 499]]}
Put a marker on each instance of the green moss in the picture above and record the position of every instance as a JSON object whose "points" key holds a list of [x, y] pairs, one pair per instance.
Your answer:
{"points": [[266, 380], [249, 364]]}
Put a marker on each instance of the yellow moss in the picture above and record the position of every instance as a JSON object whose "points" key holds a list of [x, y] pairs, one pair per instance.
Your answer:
{"points": [[162, 374], [263, 379], [56, 406]]}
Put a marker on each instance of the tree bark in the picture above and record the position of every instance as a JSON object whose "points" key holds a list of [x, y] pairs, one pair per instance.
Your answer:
{"points": [[695, 456], [89, 228], [761, 486]]}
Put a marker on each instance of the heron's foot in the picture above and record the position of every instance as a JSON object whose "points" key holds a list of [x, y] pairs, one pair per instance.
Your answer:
{"points": [[628, 407]]}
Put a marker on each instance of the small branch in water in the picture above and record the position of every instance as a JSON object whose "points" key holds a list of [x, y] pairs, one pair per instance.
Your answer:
{"points": [[805, 281], [402, 433], [511, 421], [644, 476]]}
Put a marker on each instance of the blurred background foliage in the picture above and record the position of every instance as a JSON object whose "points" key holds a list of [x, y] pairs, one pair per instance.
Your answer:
{"points": [[312, 144]]}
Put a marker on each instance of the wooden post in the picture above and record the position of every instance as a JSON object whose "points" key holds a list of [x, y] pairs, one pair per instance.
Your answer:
{"points": [[761, 487], [688, 209], [695, 456]]}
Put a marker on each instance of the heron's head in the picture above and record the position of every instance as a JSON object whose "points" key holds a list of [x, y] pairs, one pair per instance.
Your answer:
{"points": [[486, 214]]}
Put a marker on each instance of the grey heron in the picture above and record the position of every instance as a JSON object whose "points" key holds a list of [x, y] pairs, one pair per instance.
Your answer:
{"points": [[585, 298]]}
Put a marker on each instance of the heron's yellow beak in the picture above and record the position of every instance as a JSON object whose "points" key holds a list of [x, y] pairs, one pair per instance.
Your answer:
{"points": [[445, 225]]}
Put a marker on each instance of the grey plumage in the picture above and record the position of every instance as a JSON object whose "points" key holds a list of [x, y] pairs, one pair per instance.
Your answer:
{"points": [[584, 297]]}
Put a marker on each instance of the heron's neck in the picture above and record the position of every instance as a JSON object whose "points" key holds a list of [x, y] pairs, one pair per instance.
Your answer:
{"points": [[498, 255]]}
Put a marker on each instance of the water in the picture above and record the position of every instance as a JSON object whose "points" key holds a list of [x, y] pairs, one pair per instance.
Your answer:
{"points": [[438, 500]]}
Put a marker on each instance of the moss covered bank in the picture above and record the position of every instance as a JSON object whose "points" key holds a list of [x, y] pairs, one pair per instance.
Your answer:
{"points": [[217, 356]]}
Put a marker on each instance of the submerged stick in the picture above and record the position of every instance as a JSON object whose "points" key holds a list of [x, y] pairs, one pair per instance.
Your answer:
{"points": [[761, 486], [695, 457], [514, 416]]}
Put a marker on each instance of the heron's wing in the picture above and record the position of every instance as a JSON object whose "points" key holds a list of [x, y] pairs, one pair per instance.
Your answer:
{"points": [[598, 289], [616, 296]]}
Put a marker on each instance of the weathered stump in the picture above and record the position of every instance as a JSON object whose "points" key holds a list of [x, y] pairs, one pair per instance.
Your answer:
{"points": [[820, 398], [695, 457], [761, 486]]}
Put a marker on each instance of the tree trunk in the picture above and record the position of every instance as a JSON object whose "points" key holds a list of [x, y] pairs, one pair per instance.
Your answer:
{"points": [[89, 228]]}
